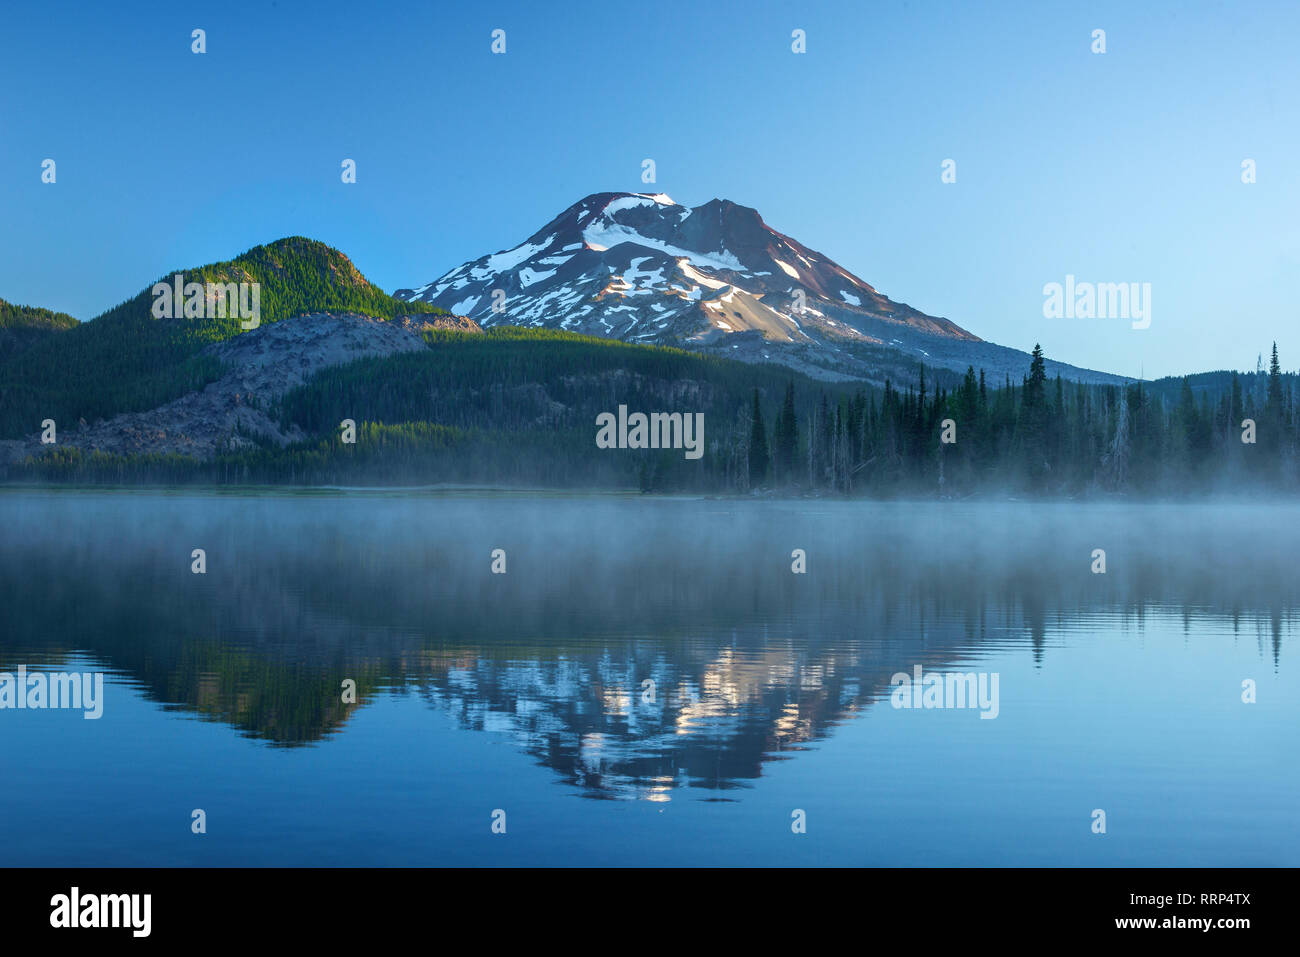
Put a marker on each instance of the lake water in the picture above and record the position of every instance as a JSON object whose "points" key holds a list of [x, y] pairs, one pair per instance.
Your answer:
{"points": [[649, 682]]}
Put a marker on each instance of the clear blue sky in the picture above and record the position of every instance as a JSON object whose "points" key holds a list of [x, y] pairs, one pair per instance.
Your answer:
{"points": [[1117, 167]]}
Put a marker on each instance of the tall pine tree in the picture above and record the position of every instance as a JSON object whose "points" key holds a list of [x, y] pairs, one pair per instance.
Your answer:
{"points": [[757, 447], [785, 438]]}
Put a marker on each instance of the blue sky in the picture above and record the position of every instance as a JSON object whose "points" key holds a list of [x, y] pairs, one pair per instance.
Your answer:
{"points": [[1119, 167]]}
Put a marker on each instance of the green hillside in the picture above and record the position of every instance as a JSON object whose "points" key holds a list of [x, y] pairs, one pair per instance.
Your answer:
{"points": [[125, 360]]}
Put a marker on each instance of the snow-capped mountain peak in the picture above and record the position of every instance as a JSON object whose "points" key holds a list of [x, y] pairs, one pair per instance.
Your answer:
{"points": [[644, 268]]}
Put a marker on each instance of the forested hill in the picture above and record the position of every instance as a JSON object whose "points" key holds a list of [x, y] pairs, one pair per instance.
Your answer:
{"points": [[127, 360], [23, 326]]}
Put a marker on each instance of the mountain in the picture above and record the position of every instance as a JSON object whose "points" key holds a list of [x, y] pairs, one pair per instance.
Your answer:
{"points": [[640, 267], [128, 360]]}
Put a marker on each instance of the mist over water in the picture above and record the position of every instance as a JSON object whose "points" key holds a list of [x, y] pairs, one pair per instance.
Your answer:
{"points": [[526, 691]]}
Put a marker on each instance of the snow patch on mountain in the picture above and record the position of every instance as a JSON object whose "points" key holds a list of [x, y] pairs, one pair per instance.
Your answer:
{"points": [[789, 270]]}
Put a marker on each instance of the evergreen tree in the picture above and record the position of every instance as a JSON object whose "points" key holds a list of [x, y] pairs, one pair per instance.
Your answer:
{"points": [[1235, 410], [1034, 419], [1273, 406], [786, 438], [1036, 384], [757, 447]]}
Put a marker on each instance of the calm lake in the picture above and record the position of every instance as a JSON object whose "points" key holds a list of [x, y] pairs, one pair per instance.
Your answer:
{"points": [[648, 682]]}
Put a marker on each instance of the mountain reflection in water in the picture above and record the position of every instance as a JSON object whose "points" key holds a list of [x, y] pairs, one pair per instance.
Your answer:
{"points": [[634, 646]]}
